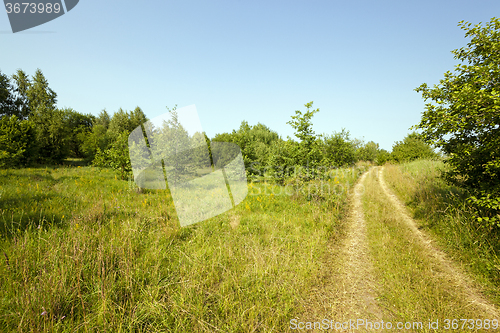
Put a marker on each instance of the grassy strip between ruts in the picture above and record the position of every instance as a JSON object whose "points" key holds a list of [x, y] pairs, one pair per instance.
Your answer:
{"points": [[415, 286], [85, 252]]}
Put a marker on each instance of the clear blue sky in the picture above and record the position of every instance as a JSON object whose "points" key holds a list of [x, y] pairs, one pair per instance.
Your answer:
{"points": [[259, 61]]}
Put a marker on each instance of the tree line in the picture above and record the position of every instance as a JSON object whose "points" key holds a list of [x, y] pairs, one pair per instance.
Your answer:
{"points": [[34, 131], [264, 151]]}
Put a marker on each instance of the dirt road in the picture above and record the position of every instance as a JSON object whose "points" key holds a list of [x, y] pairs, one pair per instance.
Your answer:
{"points": [[388, 269]]}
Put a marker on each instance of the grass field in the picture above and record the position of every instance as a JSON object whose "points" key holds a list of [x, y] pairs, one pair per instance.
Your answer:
{"points": [[82, 251], [85, 252]]}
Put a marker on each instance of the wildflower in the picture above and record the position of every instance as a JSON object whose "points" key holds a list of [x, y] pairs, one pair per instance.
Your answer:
{"points": [[44, 313]]}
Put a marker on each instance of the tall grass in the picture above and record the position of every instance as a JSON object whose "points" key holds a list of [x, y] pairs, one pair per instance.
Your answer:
{"points": [[442, 210], [85, 252]]}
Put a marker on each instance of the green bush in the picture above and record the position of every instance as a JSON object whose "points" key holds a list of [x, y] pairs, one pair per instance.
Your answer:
{"points": [[412, 148], [17, 142], [116, 157]]}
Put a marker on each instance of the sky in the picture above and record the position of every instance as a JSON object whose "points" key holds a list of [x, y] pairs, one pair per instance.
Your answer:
{"points": [[359, 61]]}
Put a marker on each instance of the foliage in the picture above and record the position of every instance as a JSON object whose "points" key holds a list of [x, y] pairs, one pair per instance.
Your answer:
{"points": [[20, 94], [412, 148], [116, 156], [284, 157], [178, 163], [7, 103], [367, 151], [79, 127], [123, 121], [97, 138], [17, 138], [255, 143], [39, 95], [338, 149], [62, 133], [34, 100], [464, 120], [107, 143], [302, 125], [383, 157], [267, 155], [52, 135]]}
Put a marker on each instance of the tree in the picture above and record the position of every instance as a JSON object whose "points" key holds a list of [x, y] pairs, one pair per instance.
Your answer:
{"points": [[120, 122], [123, 121], [105, 130], [412, 148], [7, 105], [383, 156], [36, 101], [79, 126], [17, 141], [338, 150], [464, 118], [21, 86], [98, 136], [107, 144], [367, 151], [52, 135], [284, 157], [40, 96], [302, 124], [103, 119], [116, 156], [255, 143]]}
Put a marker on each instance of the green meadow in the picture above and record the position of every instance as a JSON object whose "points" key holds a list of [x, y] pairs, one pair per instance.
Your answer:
{"points": [[83, 251]]}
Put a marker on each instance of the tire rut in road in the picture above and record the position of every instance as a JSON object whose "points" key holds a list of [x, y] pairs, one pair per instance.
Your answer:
{"points": [[348, 289], [358, 290]]}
